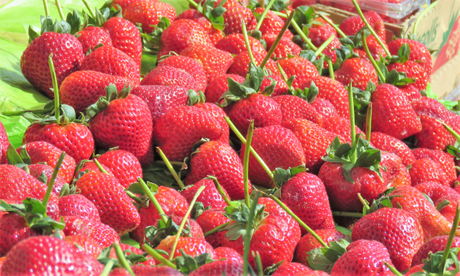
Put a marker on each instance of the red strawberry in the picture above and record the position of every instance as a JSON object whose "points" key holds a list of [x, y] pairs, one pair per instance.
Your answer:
{"points": [[228, 253], [306, 196], [84, 243], [47, 153], [284, 49], [241, 62], [299, 67], [129, 250], [110, 60], [324, 107], [340, 127], [101, 233], [438, 194], [358, 71], [411, 92], [226, 267], [319, 35], [78, 205], [432, 108], [190, 245], [167, 75], [214, 33], [308, 243], [209, 220], [278, 147], [125, 37], [425, 169], [191, 66], [3, 144], [90, 166], [178, 130], [42, 255], [398, 230], [351, 25], [122, 3], [210, 196], [220, 160], [433, 134], [272, 24], [219, 114], [293, 107], [92, 36], [281, 87], [291, 269], [124, 166], [215, 62], [433, 245], [413, 70], [13, 229], [67, 57], [234, 44], [136, 128], [38, 170], [445, 160], [148, 13], [219, 85], [388, 143], [235, 15], [392, 113], [418, 52]]}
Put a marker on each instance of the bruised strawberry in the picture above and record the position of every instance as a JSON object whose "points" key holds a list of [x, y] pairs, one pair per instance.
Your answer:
{"points": [[148, 13]]}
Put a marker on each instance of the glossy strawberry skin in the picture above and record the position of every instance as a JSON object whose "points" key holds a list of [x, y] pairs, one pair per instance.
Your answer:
{"points": [[235, 15], [191, 246], [168, 75], [418, 52], [425, 169], [293, 107], [36, 170], [412, 70], [13, 229], [101, 233], [92, 36], [209, 220], [272, 24], [291, 269], [84, 243], [191, 66], [234, 44], [219, 115], [220, 160], [74, 139], [358, 71], [210, 196], [241, 63], [281, 87], [352, 25], [228, 253], [308, 243], [136, 127], [225, 267], [78, 205], [439, 193], [133, 250], [219, 85], [302, 68], [388, 143], [433, 134], [433, 245], [148, 13], [340, 127], [123, 164], [67, 58], [324, 107], [445, 160]]}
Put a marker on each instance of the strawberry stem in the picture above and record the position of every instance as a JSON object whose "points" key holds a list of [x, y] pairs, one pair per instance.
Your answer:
{"points": [[153, 200], [371, 58], [249, 232], [352, 120], [107, 268], [364, 202], [277, 40], [121, 258], [254, 153], [61, 14], [246, 42], [246, 162], [47, 11], [393, 269], [296, 218], [57, 108], [157, 256], [99, 166], [451, 238], [184, 220], [91, 12], [450, 130], [264, 14], [220, 190], [360, 12], [347, 214], [369, 122], [323, 46], [49, 189], [170, 168], [331, 68], [215, 230], [193, 3], [258, 261], [283, 74], [337, 29], [422, 15]]}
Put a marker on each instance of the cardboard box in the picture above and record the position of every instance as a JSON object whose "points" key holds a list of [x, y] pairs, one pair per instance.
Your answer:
{"points": [[439, 29]]}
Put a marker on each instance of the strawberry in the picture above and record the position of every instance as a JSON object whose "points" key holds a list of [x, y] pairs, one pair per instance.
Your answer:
{"points": [[425, 169], [168, 75], [272, 24], [191, 66], [220, 160], [137, 126], [432, 108], [215, 34], [320, 34], [67, 55], [40, 170], [219, 85], [281, 87], [291, 269], [314, 140], [115, 207], [235, 15], [392, 113], [148, 13], [45, 152], [439, 193], [131, 250], [241, 62], [411, 92], [125, 37], [340, 127], [190, 245], [398, 230], [143, 270], [124, 166], [324, 107], [182, 34], [161, 99], [445, 160], [388, 143], [103, 234], [418, 52], [3, 144], [353, 263], [278, 147], [294, 107], [178, 130], [84, 243], [215, 62], [90, 166], [210, 197], [358, 71], [83, 88], [306, 196], [433, 245], [234, 44], [92, 36], [308, 243], [351, 25], [299, 67], [110, 60], [209, 220], [228, 253], [42, 255], [13, 229], [333, 91], [219, 114], [413, 70], [433, 134], [78, 205], [122, 3], [225, 267]]}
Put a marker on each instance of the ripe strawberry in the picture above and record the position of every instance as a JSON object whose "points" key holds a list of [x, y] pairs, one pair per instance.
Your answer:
{"points": [[182, 34], [115, 207], [324, 107], [191, 66], [235, 15], [148, 13], [351, 25], [101, 233], [84, 243], [124, 166], [432, 108], [178, 130], [340, 127], [418, 52], [439, 193], [413, 70], [281, 87], [411, 92], [234, 44], [210, 196], [122, 3], [241, 62], [293, 107], [125, 37], [228, 253], [42, 255], [225, 267], [278, 147], [136, 128], [67, 57], [445, 160], [433, 245], [272, 24], [90, 166], [13, 229], [319, 35], [92, 36], [38, 170], [425, 169], [143, 270], [308, 243], [306, 196], [78, 205], [190, 245], [110, 60], [215, 62], [215, 34], [388, 143], [398, 230], [219, 85], [353, 263], [291, 269], [299, 67], [392, 113], [129, 250], [167, 75], [219, 114], [161, 99], [333, 91], [358, 71], [220, 160], [314, 140], [433, 134], [45, 152], [3, 144]]}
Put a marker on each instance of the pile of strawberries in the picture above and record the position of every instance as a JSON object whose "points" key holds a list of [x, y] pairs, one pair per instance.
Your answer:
{"points": [[279, 144]]}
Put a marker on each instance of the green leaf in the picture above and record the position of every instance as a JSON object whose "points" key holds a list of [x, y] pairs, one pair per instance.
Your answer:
{"points": [[324, 258], [404, 53], [127, 240]]}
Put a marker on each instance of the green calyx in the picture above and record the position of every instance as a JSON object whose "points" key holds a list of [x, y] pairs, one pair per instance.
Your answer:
{"points": [[281, 176], [187, 264], [155, 234], [308, 93], [274, 5], [324, 258], [71, 25], [214, 15], [130, 258], [152, 42], [312, 55], [195, 97], [103, 102], [239, 213]]}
